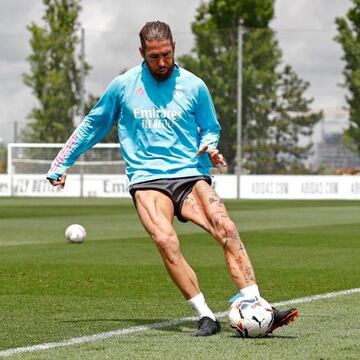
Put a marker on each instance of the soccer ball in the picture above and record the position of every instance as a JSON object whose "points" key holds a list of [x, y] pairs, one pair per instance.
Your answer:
{"points": [[251, 317], [75, 233]]}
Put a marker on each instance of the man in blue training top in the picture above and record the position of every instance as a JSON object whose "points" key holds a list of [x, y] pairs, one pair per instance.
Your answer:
{"points": [[168, 133]]}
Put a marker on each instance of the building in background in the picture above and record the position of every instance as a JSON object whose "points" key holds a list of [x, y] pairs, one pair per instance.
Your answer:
{"points": [[330, 151]]}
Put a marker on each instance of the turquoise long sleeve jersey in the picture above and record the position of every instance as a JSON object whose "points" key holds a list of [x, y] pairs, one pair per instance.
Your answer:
{"points": [[161, 126]]}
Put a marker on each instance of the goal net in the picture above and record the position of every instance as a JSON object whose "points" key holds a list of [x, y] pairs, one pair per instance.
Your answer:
{"points": [[35, 158]]}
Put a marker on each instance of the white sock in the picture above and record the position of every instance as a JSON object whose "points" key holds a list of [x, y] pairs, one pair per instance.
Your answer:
{"points": [[200, 307], [250, 291]]}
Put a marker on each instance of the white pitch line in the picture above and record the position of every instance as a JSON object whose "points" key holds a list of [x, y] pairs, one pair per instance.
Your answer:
{"points": [[159, 325]]}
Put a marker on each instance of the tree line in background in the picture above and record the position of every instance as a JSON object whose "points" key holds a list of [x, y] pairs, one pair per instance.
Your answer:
{"points": [[275, 113], [277, 121], [348, 37], [54, 72]]}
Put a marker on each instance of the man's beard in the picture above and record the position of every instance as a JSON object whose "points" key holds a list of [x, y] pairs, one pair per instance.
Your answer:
{"points": [[161, 76]]}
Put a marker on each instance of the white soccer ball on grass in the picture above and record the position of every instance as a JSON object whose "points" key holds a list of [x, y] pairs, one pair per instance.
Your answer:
{"points": [[75, 233], [251, 317]]}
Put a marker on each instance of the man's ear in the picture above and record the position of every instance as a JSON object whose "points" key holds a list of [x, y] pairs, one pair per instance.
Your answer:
{"points": [[142, 52]]}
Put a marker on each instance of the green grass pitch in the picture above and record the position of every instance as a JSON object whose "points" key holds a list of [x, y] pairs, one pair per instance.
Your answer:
{"points": [[51, 290]]}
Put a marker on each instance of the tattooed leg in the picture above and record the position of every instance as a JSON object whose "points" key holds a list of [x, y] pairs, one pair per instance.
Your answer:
{"points": [[193, 211], [237, 259], [204, 207]]}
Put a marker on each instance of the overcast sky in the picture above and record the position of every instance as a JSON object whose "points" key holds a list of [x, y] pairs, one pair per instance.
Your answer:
{"points": [[305, 31]]}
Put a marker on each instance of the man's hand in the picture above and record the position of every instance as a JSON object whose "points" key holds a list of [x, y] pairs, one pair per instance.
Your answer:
{"points": [[59, 182], [215, 157]]}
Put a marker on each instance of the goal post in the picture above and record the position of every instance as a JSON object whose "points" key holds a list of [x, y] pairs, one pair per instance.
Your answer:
{"points": [[34, 159]]}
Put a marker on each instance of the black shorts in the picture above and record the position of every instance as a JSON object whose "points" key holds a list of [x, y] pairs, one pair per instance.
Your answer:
{"points": [[177, 189]]}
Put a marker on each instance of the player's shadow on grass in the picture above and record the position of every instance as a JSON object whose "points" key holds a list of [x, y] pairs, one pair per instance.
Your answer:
{"points": [[166, 325], [135, 322], [152, 324]]}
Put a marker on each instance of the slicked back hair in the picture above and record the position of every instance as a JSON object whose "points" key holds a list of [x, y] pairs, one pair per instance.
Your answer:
{"points": [[155, 31]]}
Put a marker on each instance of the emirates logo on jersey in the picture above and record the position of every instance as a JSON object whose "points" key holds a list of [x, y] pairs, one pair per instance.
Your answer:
{"points": [[140, 91], [156, 118], [153, 113]]}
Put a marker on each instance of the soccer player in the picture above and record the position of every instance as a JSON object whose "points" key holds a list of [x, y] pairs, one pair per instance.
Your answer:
{"points": [[168, 133]]}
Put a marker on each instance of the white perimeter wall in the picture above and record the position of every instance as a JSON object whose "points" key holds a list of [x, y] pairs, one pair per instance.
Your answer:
{"points": [[251, 186]]}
